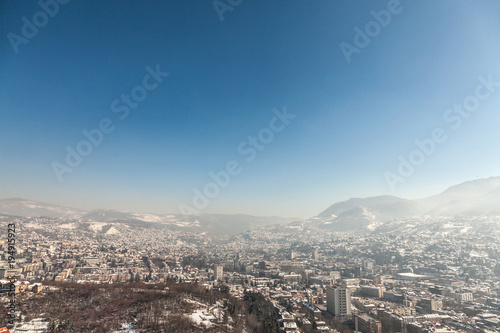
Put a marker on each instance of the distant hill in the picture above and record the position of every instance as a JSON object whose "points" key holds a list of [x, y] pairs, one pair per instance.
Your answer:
{"points": [[476, 197], [216, 224], [471, 198], [357, 213], [103, 215], [384, 206], [30, 208]]}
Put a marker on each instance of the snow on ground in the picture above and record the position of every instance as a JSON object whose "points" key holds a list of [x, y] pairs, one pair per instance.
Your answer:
{"points": [[201, 317], [374, 225], [148, 217], [34, 326], [68, 226], [33, 225], [112, 231], [97, 226], [183, 224], [127, 328], [192, 301], [464, 230], [206, 315]]}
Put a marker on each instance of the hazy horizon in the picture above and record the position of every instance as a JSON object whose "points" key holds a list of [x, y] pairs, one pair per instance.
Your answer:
{"points": [[90, 208]]}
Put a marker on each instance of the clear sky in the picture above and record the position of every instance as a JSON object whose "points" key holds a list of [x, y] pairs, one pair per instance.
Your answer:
{"points": [[353, 120]]}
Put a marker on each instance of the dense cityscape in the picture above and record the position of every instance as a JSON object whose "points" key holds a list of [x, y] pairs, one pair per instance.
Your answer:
{"points": [[418, 275]]}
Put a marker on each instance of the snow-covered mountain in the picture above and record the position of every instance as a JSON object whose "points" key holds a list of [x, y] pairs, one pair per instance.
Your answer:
{"points": [[476, 197], [358, 213], [220, 224], [30, 208], [385, 206], [472, 198]]}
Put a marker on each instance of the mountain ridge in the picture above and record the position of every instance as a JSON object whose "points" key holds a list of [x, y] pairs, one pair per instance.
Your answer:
{"points": [[469, 198], [222, 224]]}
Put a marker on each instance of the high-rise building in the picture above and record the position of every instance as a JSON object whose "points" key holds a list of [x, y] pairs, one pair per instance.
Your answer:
{"points": [[368, 265], [219, 272], [236, 262], [338, 301], [316, 254], [430, 305]]}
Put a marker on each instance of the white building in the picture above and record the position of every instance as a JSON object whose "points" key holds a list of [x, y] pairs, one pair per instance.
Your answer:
{"points": [[463, 296], [219, 272], [338, 301]]}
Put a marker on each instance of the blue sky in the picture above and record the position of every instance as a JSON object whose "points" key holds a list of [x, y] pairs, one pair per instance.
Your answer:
{"points": [[352, 120]]}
